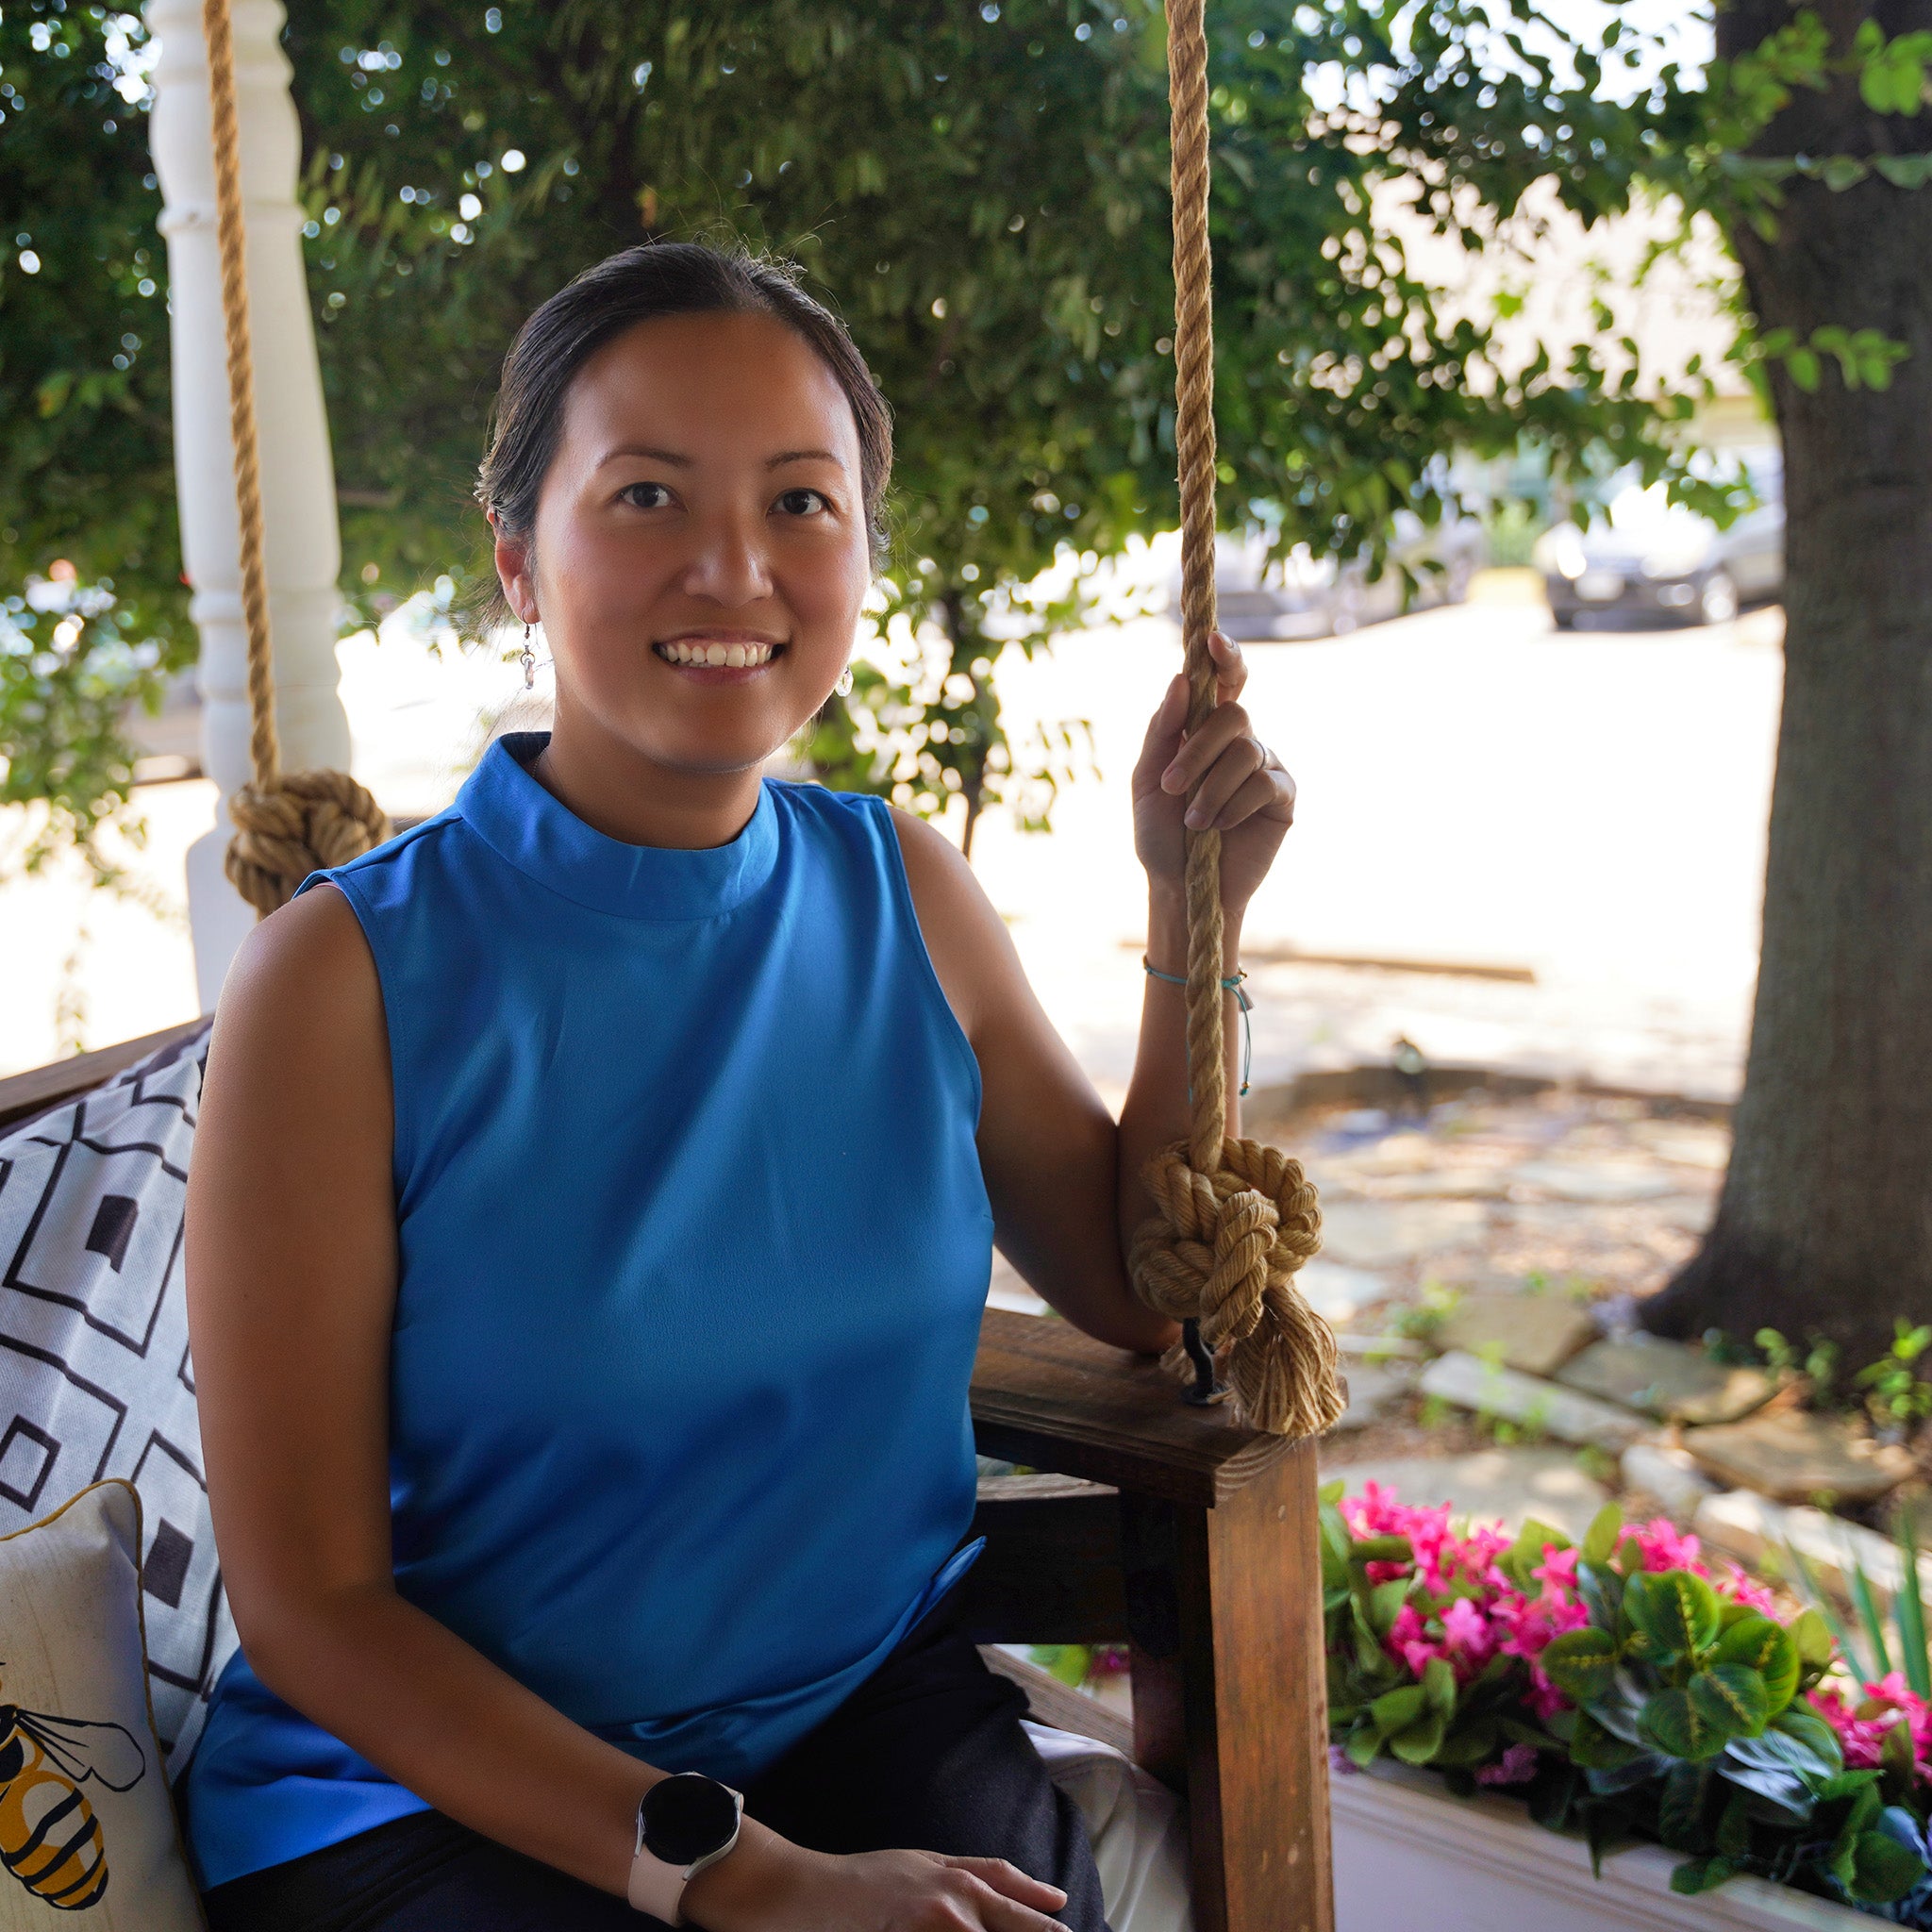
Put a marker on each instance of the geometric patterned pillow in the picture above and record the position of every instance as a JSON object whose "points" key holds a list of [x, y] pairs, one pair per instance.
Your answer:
{"points": [[96, 1379]]}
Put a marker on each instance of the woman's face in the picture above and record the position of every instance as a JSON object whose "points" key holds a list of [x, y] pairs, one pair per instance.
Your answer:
{"points": [[700, 552]]}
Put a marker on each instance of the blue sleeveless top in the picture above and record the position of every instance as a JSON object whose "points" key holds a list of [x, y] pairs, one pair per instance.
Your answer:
{"points": [[693, 1249]]}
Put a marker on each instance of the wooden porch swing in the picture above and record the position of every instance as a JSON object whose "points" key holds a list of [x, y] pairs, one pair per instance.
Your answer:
{"points": [[1184, 1529]]}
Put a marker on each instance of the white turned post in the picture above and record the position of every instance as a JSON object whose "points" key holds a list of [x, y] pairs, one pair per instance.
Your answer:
{"points": [[303, 549]]}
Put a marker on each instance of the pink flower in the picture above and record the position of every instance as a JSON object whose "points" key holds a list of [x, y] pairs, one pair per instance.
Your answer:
{"points": [[1516, 1766], [1663, 1547]]}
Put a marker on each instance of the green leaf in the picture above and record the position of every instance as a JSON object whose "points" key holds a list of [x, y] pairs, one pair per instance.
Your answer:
{"points": [[1384, 1604], [1362, 1747], [1600, 1539], [1439, 1686], [1910, 1607], [1582, 1664], [1672, 1724], [1905, 171], [1675, 1610], [1874, 1624], [1395, 1710], [1385, 1549], [1594, 1748], [1680, 1807], [1731, 1699], [1701, 1875], [1800, 1721], [1805, 372], [1812, 1636], [1766, 1648], [1734, 1828], [1420, 1742], [1882, 1869]]}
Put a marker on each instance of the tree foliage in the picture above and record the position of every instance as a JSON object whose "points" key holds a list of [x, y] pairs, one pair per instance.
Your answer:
{"points": [[980, 189]]}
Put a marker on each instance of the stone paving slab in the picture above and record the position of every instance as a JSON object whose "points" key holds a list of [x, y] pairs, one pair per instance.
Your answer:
{"points": [[1794, 1457], [1373, 1390], [1471, 1383], [1489, 1485], [1384, 1234], [1596, 1182], [1671, 1475], [1335, 1292], [1748, 1526], [1668, 1380], [1534, 1333]]}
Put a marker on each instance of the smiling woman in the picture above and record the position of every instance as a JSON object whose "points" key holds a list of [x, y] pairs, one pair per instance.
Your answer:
{"points": [[592, 1218]]}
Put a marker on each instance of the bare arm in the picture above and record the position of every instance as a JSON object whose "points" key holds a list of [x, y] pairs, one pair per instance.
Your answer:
{"points": [[291, 1286], [1064, 1178]]}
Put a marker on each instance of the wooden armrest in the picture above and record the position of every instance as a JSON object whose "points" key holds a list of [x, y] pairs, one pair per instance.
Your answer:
{"points": [[1046, 1395], [40, 1087]]}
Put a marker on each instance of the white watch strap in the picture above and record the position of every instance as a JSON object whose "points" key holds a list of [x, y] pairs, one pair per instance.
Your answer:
{"points": [[656, 1888]]}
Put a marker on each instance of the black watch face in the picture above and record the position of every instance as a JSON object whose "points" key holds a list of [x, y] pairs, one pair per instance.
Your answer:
{"points": [[687, 1818]]}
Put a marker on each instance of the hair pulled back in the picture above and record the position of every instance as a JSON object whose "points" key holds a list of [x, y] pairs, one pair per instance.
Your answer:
{"points": [[639, 285]]}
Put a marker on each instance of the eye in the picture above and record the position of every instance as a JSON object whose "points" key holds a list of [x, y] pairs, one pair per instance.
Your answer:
{"points": [[802, 502], [645, 495]]}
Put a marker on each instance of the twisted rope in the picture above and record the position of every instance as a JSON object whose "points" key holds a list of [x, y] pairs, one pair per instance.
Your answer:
{"points": [[1233, 1219], [286, 826]]}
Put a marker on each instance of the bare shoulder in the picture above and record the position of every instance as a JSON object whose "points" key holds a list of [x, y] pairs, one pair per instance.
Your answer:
{"points": [[301, 1013], [971, 951]]}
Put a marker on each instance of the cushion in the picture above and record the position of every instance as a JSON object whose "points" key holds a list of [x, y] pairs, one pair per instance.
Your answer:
{"points": [[94, 1375], [1135, 1825], [86, 1821]]}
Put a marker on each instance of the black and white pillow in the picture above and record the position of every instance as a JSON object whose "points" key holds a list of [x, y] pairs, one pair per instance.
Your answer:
{"points": [[95, 1375]]}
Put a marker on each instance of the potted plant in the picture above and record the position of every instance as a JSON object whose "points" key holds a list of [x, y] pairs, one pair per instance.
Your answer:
{"points": [[1627, 1691]]}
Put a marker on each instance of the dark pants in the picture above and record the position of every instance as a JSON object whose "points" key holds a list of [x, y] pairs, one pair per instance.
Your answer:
{"points": [[927, 1754]]}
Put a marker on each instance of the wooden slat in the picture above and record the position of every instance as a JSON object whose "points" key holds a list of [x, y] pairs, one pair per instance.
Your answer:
{"points": [[1050, 1701], [1047, 1395], [1230, 1692], [1050, 1571], [32, 1093]]}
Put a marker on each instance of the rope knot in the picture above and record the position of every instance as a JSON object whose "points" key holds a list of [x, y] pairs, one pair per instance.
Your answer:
{"points": [[1223, 1248], [300, 823]]}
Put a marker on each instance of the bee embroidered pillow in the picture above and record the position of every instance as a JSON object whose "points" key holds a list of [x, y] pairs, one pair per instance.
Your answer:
{"points": [[88, 1839]]}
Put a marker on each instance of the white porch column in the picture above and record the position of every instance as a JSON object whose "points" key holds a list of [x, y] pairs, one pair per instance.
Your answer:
{"points": [[303, 547]]}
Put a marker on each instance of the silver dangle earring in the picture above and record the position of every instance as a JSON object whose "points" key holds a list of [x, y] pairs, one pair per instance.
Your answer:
{"points": [[529, 660], [843, 687]]}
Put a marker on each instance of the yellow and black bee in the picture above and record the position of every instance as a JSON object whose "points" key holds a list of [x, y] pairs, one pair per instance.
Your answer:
{"points": [[50, 1838]]}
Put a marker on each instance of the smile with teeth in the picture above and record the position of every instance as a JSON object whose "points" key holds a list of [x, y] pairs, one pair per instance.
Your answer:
{"points": [[738, 656]]}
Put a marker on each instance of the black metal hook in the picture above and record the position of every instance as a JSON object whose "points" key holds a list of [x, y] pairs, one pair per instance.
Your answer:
{"points": [[1209, 1387]]}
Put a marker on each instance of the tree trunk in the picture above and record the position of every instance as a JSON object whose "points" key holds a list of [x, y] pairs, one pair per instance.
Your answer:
{"points": [[1826, 1220]]}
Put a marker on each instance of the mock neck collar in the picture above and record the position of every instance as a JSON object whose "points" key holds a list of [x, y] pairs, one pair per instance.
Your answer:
{"points": [[536, 832]]}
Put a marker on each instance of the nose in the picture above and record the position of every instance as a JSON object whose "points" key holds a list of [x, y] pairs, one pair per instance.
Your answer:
{"points": [[728, 565]]}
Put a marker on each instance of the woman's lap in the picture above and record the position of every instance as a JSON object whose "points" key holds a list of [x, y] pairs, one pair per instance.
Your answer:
{"points": [[928, 1753]]}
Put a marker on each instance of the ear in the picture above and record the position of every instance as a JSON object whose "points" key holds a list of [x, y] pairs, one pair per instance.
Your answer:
{"points": [[514, 573]]}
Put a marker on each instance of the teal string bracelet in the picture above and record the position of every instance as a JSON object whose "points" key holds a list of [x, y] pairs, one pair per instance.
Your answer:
{"points": [[1241, 999]]}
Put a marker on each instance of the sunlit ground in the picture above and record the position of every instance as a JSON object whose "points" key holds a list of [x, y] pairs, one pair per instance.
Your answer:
{"points": [[1476, 789]]}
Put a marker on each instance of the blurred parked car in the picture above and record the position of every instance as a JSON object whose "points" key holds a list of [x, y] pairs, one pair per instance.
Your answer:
{"points": [[1655, 561], [1301, 595]]}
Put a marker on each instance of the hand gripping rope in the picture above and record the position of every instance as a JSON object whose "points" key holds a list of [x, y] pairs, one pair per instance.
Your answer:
{"points": [[1234, 1220]]}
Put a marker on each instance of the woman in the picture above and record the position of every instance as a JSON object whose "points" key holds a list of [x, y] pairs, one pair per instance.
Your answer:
{"points": [[592, 1213]]}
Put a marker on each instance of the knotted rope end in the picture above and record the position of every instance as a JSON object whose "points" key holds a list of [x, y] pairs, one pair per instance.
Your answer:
{"points": [[1223, 1248], [302, 822]]}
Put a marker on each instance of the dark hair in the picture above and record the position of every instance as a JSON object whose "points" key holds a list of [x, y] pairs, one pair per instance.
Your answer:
{"points": [[641, 284]]}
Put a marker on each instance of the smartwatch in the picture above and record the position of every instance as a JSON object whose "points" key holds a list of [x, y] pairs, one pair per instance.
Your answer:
{"points": [[684, 1824]]}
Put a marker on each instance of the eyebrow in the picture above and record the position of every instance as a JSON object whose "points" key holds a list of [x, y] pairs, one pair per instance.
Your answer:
{"points": [[673, 460]]}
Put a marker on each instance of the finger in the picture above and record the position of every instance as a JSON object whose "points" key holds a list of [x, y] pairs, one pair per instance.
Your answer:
{"points": [[1222, 780], [1163, 737], [1218, 731], [1230, 665], [1269, 794], [1010, 1881]]}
